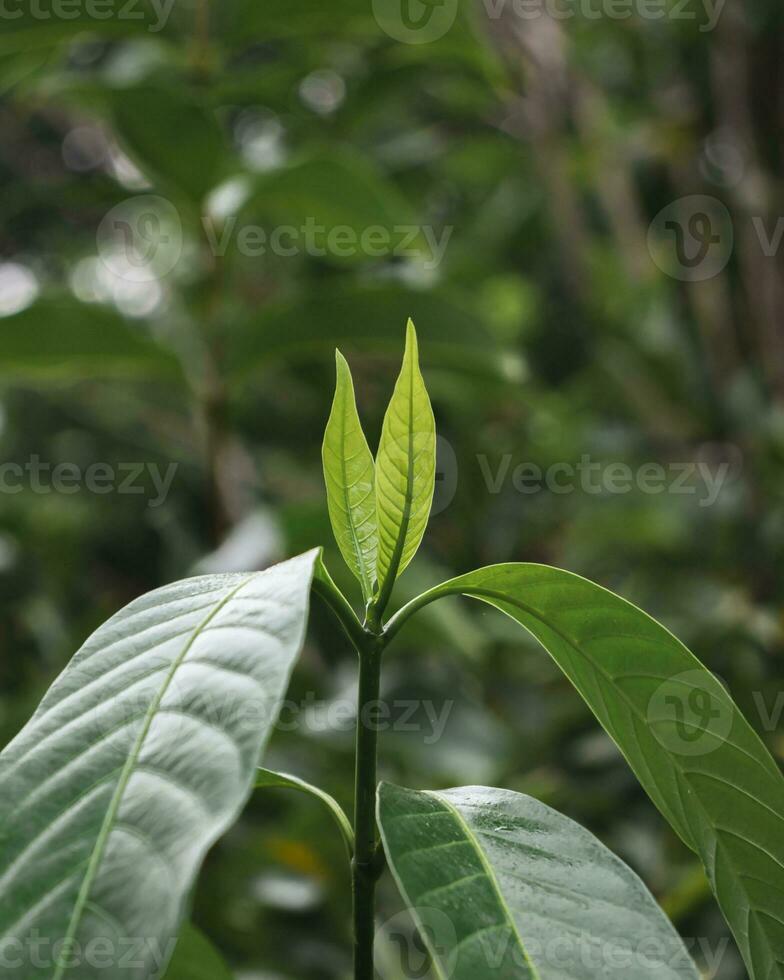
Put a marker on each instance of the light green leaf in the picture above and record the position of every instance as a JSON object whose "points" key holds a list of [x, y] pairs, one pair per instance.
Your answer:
{"points": [[195, 958], [349, 474], [696, 755], [405, 470], [139, 757], [503, 886], [266, 778]]}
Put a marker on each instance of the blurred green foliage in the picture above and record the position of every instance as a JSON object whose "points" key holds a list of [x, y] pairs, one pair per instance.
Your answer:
{"points": [[171, 176]]}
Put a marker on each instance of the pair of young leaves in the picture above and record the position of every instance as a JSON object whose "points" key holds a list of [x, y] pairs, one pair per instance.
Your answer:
{"points": [[379, 509]]}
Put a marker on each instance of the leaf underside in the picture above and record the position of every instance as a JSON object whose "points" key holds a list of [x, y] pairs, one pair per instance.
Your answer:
{"points": [[688, 743], [139, 757], [269, 779], [405, 468]]}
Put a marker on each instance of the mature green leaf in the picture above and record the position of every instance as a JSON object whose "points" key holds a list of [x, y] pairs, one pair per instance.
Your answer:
{"points": [[195, 958], [266, 778], [696, 755], [336, 207], [45, 24], [349, 474], [504, 886], [367, 319], [278, 18], [405, 469], [173, 137], [59, 337], [140, 755]]}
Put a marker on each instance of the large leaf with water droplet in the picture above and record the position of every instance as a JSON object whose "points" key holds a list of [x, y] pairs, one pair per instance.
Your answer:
{"points": [[503, 886], [139, 757]]}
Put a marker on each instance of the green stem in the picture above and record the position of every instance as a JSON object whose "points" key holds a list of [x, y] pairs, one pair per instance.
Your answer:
{"points": [[369, 642], [365, 868]]}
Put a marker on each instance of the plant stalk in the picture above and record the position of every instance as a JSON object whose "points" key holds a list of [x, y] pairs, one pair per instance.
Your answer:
{"points": [[365, 865], [369, 641]]}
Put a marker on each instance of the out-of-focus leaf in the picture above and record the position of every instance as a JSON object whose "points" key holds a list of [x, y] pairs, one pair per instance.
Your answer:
{"points": [[349, 474], [266, 778], [278, 18], [504, 886], [61, 338], [195, 958], [405, 470], [338, 195], [139, 757], [692, 749], [47, 23], [368, 318], [174, 138]]}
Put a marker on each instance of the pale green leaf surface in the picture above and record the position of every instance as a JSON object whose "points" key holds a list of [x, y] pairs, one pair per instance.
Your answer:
{"points": [[139, 757], [405, 468], [507, 887], [688, 743], [267, 778], [195, 958], [349, 474]]}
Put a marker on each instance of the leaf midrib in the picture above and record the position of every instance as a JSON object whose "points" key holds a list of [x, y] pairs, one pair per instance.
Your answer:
{"points": [[367, 585], [397, 553], [488, 870], [125, 776]]}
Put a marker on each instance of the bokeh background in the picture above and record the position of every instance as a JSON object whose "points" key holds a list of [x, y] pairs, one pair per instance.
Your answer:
{"points": [[602, 180]]}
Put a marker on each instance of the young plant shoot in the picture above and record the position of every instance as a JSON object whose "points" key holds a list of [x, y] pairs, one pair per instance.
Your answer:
{"points": [[147, 746]]}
